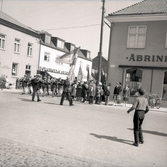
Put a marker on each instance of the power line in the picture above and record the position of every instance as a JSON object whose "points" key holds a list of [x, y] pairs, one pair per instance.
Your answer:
{"points": [[73, 27]]}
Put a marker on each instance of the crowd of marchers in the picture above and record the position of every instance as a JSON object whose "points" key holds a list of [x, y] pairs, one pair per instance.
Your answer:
{"points": [[76, 90]]}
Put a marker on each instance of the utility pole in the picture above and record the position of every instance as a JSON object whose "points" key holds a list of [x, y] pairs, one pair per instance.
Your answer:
{"points": [[100, 47]]}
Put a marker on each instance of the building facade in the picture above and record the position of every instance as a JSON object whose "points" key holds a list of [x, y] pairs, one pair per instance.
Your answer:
{"points": [[19, 49], [53, 48], [24, 51], [138, 47]]}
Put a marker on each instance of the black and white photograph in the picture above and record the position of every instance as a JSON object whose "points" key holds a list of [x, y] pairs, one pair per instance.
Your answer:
{"points": [[83, 83]]}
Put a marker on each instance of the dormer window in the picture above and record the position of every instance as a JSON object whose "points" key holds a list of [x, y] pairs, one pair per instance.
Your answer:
{"points": [[60, 44], [47, 39], [88, 55], [72, 47]]}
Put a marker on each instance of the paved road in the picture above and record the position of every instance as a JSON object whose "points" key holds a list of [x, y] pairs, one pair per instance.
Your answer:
{"points": [[47, 134]]}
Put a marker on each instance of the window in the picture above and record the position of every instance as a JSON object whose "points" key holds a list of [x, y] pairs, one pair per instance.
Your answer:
{"points": [[14, 69], [164, 93], [17, 46], [88, 55], [72, 47], [47, 39], [134, 79], [29, 50], [60, 44], [2, 41], [47, 57], [136, 36], [28, 70]]}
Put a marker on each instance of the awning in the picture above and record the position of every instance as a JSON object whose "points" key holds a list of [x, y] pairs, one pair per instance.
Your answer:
{"points": [[56, 75]]}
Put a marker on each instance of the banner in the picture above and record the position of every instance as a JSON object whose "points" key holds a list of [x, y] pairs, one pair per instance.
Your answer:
{"points": [[69, 57], [71, 74]]}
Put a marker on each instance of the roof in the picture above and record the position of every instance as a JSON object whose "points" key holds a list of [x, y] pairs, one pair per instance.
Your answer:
{"points": [[10, 21], [144, 7]]}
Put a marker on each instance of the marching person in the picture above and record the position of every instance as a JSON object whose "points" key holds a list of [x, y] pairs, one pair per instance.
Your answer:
{"points": [[2, 82], [97, 94], [24, 83], [126, 94], [106, 90], [117, 91], [141, 107], [79, 91], [91, 92], [84, 91], [29, 85], [54, 87], [44, 86], [66, 93], [73, 90], [36, 85]]}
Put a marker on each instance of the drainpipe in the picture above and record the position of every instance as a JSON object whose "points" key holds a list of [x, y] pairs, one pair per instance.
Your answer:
{"points": [[109, 50], [151, 80], [123, 73], [39, 54]]}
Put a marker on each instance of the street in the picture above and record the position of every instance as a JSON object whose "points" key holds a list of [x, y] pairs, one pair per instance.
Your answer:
{"points": [[47, 134]]}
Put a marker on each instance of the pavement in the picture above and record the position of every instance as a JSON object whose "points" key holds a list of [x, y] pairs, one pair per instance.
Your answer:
{"points": [[45, 134]]}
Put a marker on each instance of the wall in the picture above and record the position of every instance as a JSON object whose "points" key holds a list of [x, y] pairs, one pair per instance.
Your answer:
{"points": [[62, 67], [119, 54], [7, 56]]}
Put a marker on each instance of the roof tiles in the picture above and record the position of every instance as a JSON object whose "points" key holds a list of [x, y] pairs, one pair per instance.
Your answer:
{"points": [[144, 7]]}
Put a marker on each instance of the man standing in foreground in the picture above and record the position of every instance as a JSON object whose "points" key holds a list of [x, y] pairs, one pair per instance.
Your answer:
{"points": [[140, 106], [66, 93]]}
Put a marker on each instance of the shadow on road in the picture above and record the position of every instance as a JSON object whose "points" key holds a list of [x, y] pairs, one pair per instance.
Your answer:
{"points": [[24, 99], [51, 103], [113, 138], [153, 132]]}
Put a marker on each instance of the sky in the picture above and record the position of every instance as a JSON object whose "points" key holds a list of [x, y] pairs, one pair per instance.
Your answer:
{"points": [[75, 21]]}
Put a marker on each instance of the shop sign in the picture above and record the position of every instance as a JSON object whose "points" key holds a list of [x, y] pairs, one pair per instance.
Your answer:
{"points": [[147, 58], [53, 70]]}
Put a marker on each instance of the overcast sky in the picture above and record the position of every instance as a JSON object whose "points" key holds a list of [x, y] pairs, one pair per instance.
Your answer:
{"points": [[75, 21]]}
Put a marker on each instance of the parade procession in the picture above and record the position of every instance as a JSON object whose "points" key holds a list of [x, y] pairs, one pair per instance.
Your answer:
{"points": [[55, 87]]}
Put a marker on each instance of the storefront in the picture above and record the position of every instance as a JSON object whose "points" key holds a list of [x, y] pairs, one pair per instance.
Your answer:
{"points": [[138, 49]]}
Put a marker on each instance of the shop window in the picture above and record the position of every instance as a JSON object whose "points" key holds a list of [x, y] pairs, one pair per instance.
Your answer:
{"points": [[136, 36], [164, 93], [28, 70], [29, 50], [47, 57], [17, 46], [14, 69], [2, 41], [134, 79]]}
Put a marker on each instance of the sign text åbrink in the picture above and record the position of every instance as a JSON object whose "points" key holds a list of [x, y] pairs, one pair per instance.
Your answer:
{"points": [[148, 58]]}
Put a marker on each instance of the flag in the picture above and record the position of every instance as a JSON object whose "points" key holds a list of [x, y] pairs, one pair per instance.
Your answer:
{"points": [[71, 74], [69, 57], [103, 76], [88, 73], [80, 73]]}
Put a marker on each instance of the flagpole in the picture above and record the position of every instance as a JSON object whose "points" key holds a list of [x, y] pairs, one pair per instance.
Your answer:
{"points": [[100, 47]]}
